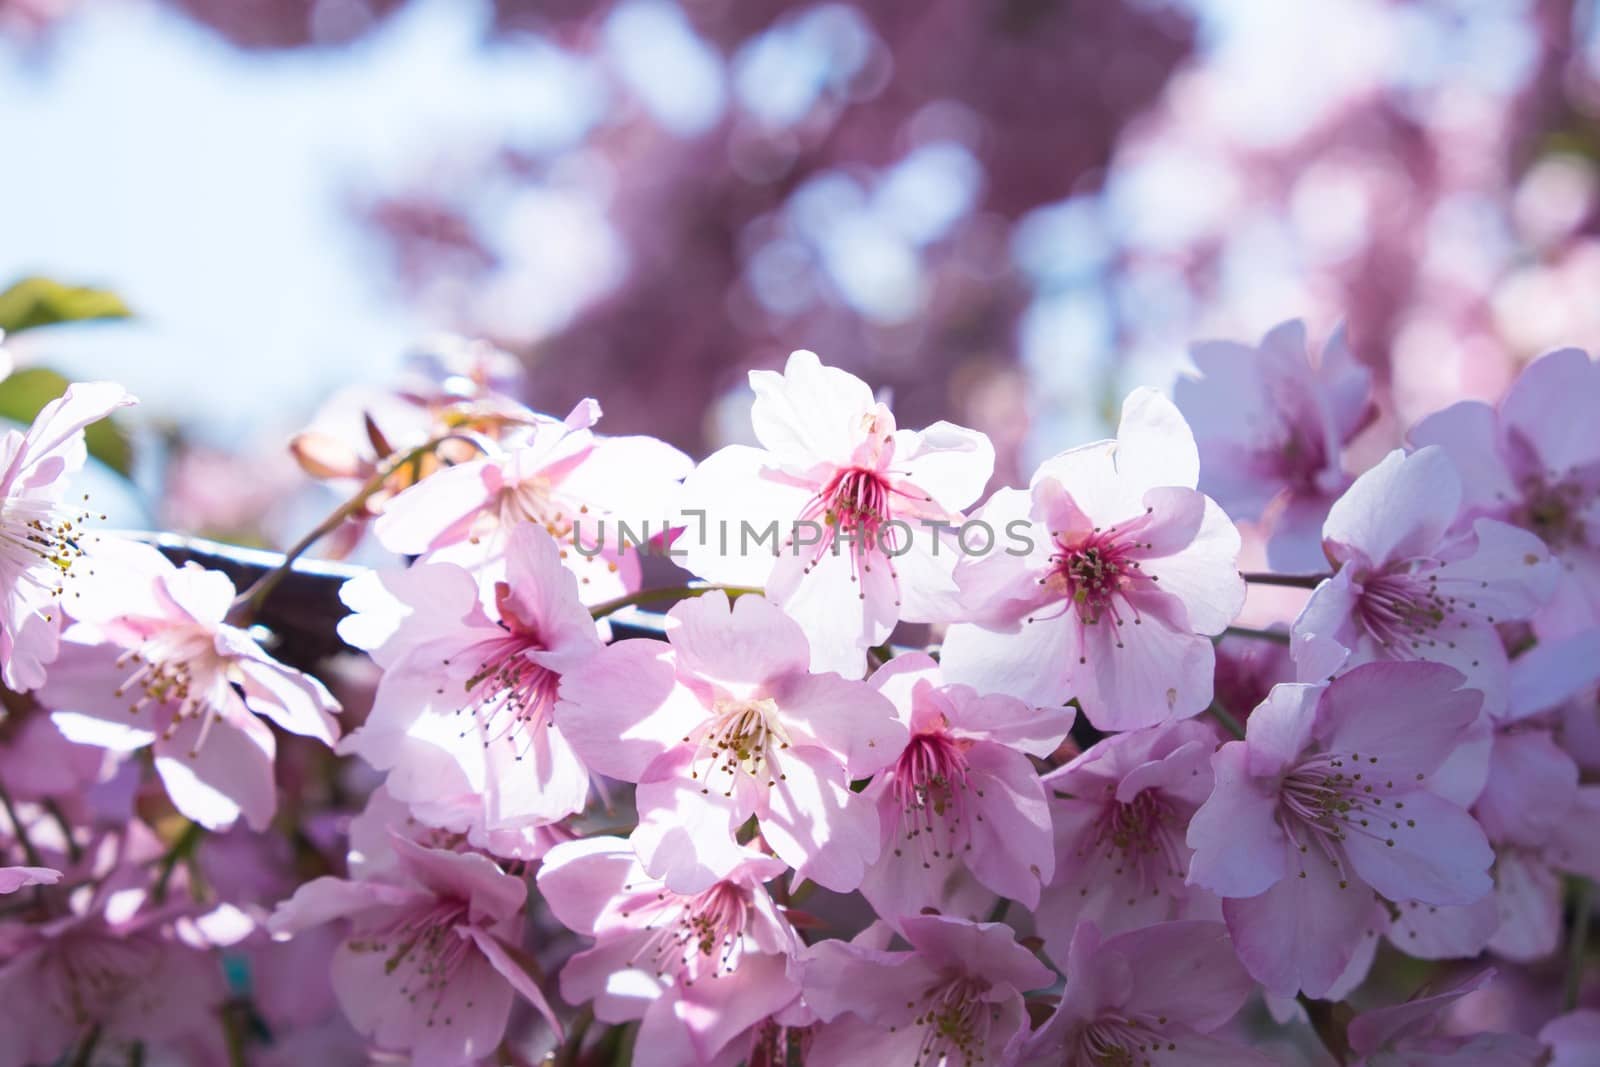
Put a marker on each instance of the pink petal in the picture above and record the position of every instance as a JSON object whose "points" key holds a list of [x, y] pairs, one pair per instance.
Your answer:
{"points": [[230, 775], [1468, 434], [502, 958], [578, 879], [848, 719], [818, 826], [1141, 675], [1399, 509], [1356, 715], [729, 502], [950, 463], [1300, 935], [1154, 444], [1551, 406], [685, 837], [1428, 850], [1035, 663], [623, 709], [746, 641], [810, 413], [436, 510], [1012, 844], [1185, 971], [1203, 571], [1239, 848]]}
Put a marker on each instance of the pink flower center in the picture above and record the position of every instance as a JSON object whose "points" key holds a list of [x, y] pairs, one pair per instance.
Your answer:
{"points": [[1554, 511], [178, 666], [1142, 838], [1404, 611], [534, 500], [856, 505], [955, 1022], [1329, 797], [509, 697], [421, 945], [741, 740], [1096, 574], [930, 788], [1114, 1041], [40, 540], [692, 937]]}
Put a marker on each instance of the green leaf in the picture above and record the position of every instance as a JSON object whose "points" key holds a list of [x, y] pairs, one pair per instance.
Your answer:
{"points": [[28, 390], [35, 302]]}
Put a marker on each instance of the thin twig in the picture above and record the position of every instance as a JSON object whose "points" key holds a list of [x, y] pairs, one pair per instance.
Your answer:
{"points": [[1277, 637], [31, 853], [1293, 581], [249, 601], [1226, 718], [74, 851], [1578, 943], [179, 850]]}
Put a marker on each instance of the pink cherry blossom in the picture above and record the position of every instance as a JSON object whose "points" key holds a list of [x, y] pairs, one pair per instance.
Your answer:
{"points": [[1329, 803], [961, 806], [474, 685], [557, 474], [127, 975], [954, 998], [1150, 995], [726, 721], [1534, 460], [1129, 574], [1413, 1033], [153, 663], [1121, 812], [1573, 1039], [1271, 424], [1540, 821], [430, 965], [859, 505], [41, 536], [1407, 587], [703, 971]]}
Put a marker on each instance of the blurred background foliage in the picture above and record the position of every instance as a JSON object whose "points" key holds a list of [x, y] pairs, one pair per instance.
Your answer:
{"points": [[1005, 212]]}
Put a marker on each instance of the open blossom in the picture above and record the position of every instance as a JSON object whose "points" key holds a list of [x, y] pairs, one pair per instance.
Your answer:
{"points": [[558, 474], [1413, 1033], [703, 971], [961, 803], [470, 679], [1328, 800], [430, 964], [1150, 995], [1541, 823], [152, 663], [954, 999], [1534, 460], [126, 976], [1121, 811], [726, 721], [1409, 587], [1131, 570], [1271, 425], [40, 534], [862, 510]]}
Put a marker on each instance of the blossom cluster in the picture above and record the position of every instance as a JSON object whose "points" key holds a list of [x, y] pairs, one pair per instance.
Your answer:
{"points": [[1090, 794]]}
